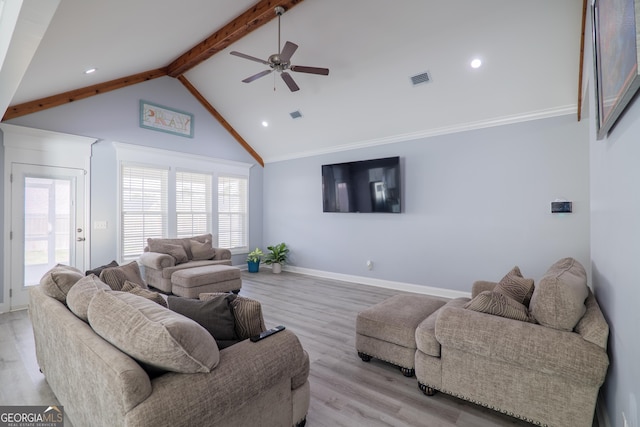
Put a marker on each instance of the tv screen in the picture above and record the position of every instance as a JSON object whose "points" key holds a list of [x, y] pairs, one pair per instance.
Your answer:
{"points": [[362, 186]]}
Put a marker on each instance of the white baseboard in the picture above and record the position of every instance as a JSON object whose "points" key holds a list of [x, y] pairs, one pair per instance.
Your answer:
{"points": [[399, 286]]}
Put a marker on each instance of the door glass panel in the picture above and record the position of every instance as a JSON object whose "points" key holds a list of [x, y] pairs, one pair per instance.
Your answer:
{"points": [[48, 216]]}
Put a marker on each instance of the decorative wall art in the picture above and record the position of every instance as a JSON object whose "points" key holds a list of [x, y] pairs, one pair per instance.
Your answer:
{"points": [[616, 43], [164, 119]]}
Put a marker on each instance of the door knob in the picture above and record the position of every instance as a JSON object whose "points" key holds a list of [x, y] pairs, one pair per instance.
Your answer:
{"points": [[80, 239]]}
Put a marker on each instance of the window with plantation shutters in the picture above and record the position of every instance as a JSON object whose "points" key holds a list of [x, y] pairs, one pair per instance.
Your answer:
{"points": [[232, 212], [193, 204], [144, 209], [167, 194]]}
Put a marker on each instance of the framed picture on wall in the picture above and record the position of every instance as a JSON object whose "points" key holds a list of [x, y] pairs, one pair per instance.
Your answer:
{"points": [[616, 56], [165, 119]]}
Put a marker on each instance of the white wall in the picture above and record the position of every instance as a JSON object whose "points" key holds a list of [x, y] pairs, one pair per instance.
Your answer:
{"points": [[475, 204]]}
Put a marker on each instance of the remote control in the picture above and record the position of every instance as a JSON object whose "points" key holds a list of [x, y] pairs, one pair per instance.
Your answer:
{"points": [[268, 333]]}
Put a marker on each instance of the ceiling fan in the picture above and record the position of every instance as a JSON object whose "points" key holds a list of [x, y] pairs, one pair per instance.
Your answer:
{"points": [[280, 62]]}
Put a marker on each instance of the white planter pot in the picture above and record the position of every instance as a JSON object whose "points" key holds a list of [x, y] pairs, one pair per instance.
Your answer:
{"points": [[276, 267]]}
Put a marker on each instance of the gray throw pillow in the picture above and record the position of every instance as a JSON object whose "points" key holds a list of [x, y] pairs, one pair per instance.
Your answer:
{"points": [[116, 276], [98, 270], [57, 282], [152, 334], [516, 287], [215, 315], [82, 293], [136, 289], [495, 303], [177, 251], [247, 313], [201, 251]]}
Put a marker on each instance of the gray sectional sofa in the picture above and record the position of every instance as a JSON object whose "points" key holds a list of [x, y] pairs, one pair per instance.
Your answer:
{"points": [[119, 359]]}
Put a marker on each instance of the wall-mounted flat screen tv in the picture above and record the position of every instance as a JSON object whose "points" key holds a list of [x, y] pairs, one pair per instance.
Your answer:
{"points": [[362, 186]]}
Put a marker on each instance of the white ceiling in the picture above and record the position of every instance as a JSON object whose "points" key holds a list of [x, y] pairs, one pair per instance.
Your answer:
{"points": [[529, 48]]}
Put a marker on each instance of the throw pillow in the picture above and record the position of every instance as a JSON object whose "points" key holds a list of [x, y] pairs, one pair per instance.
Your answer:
{"points": [[515, 286], [136, 289], [491, 302], [201, 251], [558, 301], [98, 270], [175, 250], [116, 276], [82, 293], [215, 315], [247, 313], [152, 334], [57, 282]]}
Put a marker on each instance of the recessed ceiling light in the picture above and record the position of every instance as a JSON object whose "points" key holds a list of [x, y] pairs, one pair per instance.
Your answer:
{"points": [[265, 123], [476, 63], [90, 70]]}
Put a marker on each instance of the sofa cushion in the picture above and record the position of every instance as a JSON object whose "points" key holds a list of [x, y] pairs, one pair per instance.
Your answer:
{"points": [[215, 315], [82, 293], [201, 251], [559, 299], [152, 334], [516, 287], [98, 270], [136, 289], [57, 282], [116, 276], [177, 251], [247, 313], [492, 302]]}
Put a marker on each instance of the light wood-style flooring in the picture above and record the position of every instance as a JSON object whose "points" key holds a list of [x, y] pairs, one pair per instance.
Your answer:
{"points": [[344, 390]]}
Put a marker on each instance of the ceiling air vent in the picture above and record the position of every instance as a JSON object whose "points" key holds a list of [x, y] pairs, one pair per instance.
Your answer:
{"points": [[421, 78], [296, 114]]}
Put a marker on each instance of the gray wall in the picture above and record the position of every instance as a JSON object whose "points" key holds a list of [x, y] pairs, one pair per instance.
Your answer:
{"points": [[114, 116], [475, 204], [615, 247]]}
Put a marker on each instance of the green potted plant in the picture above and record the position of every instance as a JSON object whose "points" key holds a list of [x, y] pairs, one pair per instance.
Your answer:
{"points": [[277, 257], [253, 260]]}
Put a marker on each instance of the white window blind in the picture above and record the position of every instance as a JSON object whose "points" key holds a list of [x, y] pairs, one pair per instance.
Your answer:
{"points": [[232, 212], [193, 203], [143, 207]]}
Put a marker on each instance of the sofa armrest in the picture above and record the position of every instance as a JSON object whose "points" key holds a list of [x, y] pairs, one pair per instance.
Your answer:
{"points": [[246, 370], [222, 253], [481, 286], [156, 260], [530, 346]]}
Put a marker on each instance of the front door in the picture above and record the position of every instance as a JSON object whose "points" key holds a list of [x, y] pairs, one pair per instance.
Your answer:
{"points": [[47, 224]]}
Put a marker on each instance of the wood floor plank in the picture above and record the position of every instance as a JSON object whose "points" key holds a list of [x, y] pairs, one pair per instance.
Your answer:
{"points": [[345, 391]]}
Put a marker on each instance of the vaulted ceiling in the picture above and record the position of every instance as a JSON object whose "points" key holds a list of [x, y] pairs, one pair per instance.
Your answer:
{"points": [[530, 52]]}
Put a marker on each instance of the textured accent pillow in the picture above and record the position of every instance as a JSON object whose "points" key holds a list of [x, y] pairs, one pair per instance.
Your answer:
{"points": [[82, 293], [558, 301], [57, 282], [215, 315], [515, 286], [152, 334], [98, 270], [201, 251], [495, 303], [175, 250], [136, 289], [247, 313], [116, 276]]}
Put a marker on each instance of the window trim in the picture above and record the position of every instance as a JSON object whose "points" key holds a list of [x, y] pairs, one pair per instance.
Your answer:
{"points": [[182, 162]]}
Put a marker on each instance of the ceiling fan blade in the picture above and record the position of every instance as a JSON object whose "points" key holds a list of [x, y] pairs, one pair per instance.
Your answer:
{"points": [[257, 76], [289, 81], [287, 51], [310, 70], [251, 58]]}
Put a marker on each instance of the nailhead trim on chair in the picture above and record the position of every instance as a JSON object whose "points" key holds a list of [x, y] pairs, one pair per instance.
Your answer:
{"points": [[388, 361], [468, 399]]}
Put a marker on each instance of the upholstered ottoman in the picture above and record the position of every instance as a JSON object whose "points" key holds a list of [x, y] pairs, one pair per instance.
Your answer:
{"points": [[191, 282], [387, 330]]}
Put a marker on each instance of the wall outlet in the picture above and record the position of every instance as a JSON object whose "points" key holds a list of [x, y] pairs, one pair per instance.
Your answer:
{"points": [[100, 225]]}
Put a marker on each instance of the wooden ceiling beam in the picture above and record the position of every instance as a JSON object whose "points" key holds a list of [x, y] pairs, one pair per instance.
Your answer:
{"points": [[250, 20], [220, 119], [78, 94]]}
